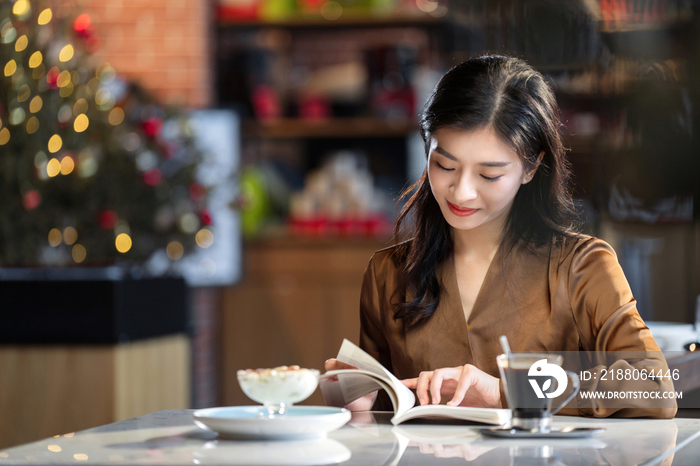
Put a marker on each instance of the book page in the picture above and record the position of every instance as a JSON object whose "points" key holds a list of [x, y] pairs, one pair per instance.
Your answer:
{"points": [[344, 386], [351, 354], [484, 415]]}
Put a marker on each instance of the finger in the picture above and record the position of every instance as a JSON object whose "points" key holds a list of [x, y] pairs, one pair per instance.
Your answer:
{"points": [[329, 365], [465, 381], [435, 385], [422, 387], [410, 383]]}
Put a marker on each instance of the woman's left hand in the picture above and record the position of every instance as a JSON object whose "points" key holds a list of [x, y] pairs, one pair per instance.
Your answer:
{"points": [[466, 385]]}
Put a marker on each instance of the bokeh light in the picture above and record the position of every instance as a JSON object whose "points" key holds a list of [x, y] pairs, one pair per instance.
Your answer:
{"points": [[80, 457], [123, 242], [81, 123], [17, 116], [32, 125], [24, 93], [116, 116], [189, 223], [21, 8], [54, 448], [21, 43], [44, 17], [10, 68], [70, 235], [55, 143], [36, 59], [64, 79], [4, 136], [67, 165], [79, 253], [81, 106], [66, 53], [55, 237], [36, 104], [331, 10], [174, 250], [204, 238], [53, 168]]}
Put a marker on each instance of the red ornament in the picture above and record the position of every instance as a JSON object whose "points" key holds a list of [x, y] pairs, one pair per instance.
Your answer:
{"points": [[31, 199], [152, 126], [152, 177], [107, 219], [197, 192], [205, 217]]}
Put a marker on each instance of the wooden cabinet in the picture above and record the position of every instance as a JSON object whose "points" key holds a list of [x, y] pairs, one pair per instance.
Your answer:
{"points": [[48, 390], [297, 302]]}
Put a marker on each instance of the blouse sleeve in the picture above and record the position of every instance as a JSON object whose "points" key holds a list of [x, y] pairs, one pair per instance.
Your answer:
{"points": [[608, 321], [372, 336]]}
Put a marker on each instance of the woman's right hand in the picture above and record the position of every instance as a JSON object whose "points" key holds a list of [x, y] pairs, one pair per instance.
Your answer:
{"points": [[361, 404]]}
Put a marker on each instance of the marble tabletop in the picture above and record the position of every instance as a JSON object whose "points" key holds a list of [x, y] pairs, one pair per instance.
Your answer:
{"points": [[171, 437]]}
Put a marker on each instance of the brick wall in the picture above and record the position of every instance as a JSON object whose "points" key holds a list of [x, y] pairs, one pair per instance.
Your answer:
{"points": [[165, 45]]}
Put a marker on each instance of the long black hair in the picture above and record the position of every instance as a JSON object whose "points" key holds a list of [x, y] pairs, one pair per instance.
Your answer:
{"points": [[506, 95]]}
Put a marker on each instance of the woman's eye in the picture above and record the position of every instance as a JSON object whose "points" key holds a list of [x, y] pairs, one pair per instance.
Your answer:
{"points": [[494, 178], [443, 168]]}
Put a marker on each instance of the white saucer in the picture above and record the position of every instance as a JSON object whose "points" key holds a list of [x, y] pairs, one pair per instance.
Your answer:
{"points": [[255, 422]]}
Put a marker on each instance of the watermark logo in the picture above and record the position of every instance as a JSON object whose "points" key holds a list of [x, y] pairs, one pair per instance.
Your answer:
{"points": [[543, 368]]}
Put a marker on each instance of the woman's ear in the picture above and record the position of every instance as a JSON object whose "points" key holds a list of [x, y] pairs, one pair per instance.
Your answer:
{"points": [[531, 172]]}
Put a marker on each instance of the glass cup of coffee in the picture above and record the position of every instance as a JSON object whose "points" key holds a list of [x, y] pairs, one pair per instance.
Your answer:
{"points": [[531, 382]]}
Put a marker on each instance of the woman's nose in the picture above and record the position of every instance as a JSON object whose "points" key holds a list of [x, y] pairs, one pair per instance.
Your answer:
{"points": [[464, 189]]}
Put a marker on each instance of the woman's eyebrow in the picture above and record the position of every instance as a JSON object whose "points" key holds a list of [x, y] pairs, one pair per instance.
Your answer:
{"points": [[482, 164]]}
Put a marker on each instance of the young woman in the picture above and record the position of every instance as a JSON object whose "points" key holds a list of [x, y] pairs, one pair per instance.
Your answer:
{"points": [[492, 251]]}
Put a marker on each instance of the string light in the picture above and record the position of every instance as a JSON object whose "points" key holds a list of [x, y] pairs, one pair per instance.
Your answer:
{"points": [[174, 250], [55, 143], [36, 104], [116, 116], [21, 43], [10, 68], [21, 8], [64, 79], [81, 123], [36, 59], [66, 53], [44, 17], [204, 238], [67, 165], [32, 125], [53, 168], [4, 136], [55, 237], [24, 93], [81, 106], [123, 242], [79, 254], [70, 235]]}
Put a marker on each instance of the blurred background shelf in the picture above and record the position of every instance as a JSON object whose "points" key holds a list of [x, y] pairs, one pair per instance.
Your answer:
{"points": [[332, 128]]}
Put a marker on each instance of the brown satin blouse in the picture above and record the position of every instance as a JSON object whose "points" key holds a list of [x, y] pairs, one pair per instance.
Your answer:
{"points": [[570, 296]]}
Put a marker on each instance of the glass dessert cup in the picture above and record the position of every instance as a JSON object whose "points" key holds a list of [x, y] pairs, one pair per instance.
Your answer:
{"points": [[278, 388]]}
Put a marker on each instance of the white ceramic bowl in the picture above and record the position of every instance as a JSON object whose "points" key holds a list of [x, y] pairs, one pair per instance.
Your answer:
{"points": [[280, 387]]}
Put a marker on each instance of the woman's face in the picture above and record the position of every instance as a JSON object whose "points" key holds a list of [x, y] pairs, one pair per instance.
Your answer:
{"points": [[474, 177]]}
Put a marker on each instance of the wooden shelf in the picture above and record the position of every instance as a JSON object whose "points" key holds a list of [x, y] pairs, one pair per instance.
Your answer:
{"points": [[349, 19], [291, 128], [623, 27]]}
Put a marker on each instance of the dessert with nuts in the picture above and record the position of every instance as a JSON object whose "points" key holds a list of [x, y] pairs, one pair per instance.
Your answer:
{"points": [[279, 387]]}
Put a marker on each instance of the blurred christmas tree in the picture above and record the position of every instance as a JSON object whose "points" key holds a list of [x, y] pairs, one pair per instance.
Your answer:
{"points": [[92, 170]]}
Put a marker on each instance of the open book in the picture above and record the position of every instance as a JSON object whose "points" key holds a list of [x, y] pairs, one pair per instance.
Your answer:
{"points": [[344, 386]]}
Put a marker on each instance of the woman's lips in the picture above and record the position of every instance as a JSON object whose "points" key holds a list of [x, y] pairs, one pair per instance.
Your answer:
{"points": [[461, 212]]}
